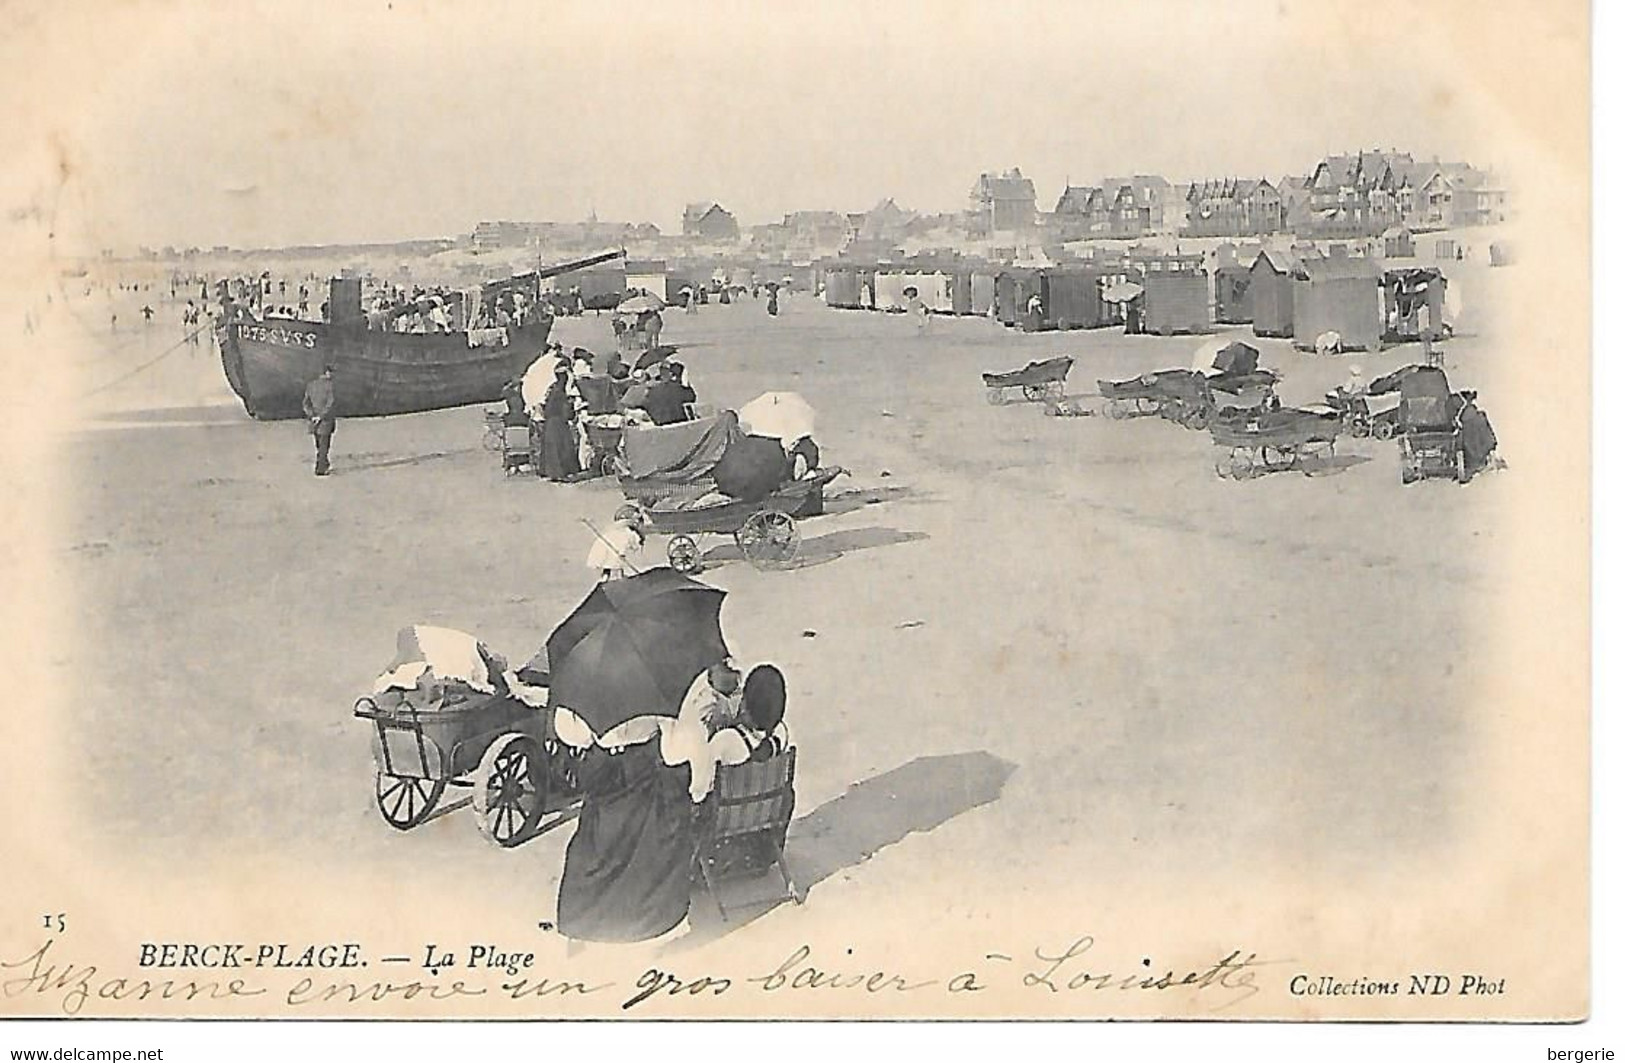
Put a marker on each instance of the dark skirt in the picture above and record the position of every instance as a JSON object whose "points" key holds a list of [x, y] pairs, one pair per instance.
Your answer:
{"points": [[560, 458], [628, 869]]}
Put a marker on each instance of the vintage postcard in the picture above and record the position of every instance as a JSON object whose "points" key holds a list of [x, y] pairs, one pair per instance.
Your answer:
{"points": [[722, 510]]}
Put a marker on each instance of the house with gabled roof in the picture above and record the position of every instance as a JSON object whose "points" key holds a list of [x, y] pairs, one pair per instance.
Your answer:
{"points": [[708, 221], [1003, 203]]}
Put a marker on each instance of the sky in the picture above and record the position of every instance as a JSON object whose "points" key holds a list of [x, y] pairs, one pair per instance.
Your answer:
{"points": [[253, 124]]}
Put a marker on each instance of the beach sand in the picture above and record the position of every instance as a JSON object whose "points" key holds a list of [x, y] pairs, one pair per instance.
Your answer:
{"points": [[1045, 652]]}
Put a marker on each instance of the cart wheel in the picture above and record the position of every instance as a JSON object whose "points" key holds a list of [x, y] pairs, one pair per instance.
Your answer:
{"points": [[768, 537], [1116, 410], [1383, 430], [494, 440], [1052, 408], [995, 396], [1221, 467], [1461, 465], [406, 800], [1034, 392], [1242, 466], [1199, 419], [1359, 429], [684, 554], [510, 790]]}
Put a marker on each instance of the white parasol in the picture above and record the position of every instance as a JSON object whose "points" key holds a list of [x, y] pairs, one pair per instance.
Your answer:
{"points": [[779, 414], [1202, 360], [537, 379]]}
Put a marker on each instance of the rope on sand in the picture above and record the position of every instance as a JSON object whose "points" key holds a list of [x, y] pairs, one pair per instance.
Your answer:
{"points": [[149, 363]]}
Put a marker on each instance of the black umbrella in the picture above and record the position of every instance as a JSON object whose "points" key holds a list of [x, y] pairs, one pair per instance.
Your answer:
{"points": [[634, 646], [654, 356]]}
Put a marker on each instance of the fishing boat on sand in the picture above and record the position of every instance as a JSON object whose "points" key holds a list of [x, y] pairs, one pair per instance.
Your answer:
{"points": [[377, 370]]}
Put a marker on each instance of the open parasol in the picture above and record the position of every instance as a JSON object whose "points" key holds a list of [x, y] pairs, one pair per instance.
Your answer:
{"points": [[1122, 292], [640, 304], [634, 646], [1204, 360], [780, 414], [654, 356]]}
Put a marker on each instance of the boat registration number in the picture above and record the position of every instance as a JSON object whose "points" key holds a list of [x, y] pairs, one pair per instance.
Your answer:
{"points": [[281, 336]]}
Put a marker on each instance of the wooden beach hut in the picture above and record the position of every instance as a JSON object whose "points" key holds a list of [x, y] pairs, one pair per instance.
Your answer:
{"points": [[982, 286], [1071, 297], [1232, 295], [841, 288], [1176, 296], [1337, 294], [1013, 290], [1269, 287]]}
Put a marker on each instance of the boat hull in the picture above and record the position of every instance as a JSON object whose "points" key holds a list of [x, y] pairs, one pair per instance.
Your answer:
{"points": [[375, 373]]}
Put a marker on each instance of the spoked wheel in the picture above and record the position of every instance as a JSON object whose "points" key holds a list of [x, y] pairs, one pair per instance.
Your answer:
{"points": [[1034, 392], [1199, 418], [1359, 429], [406, 800], [1117, 409], [996, 397], [1278, 458], [684, 554], [1383, 430], [768, 538], [510, 789], [1221, 466], [1242, 465], [494, 439]]}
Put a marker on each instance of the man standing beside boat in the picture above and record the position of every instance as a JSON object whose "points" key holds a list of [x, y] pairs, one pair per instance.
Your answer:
{"points": [[319, 411]]}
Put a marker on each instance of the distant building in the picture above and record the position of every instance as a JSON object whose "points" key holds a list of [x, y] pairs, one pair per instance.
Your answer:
{"points": [[710, 222], [1081, 212], [1355, 195], [1152, 197], [816, 233], [885, 221], [1450, 195], [1003, 203], [1233, 207]]}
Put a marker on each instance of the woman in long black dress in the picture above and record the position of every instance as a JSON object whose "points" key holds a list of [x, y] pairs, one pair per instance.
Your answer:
{"points": [[628, 869], [560, 460]]}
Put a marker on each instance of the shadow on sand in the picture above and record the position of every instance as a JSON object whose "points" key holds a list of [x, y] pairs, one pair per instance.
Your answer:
{"points": [[851, 501], [842, 833], [217, 413], [1332, 464], [342, 467], [825, 548]]}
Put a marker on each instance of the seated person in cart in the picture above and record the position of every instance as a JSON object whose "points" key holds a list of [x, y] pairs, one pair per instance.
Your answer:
{"points": [[666, 399]]}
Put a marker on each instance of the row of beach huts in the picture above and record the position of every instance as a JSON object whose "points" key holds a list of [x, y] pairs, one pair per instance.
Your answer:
{"points": [[1301, 294], [1301, 297]]}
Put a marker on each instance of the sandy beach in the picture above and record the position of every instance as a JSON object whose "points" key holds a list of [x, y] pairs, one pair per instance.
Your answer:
{"points": [[1024, 648]]}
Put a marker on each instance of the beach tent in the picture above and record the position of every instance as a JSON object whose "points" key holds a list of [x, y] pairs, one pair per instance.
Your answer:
{"points": [[648, 276], [1232, 295], [1270, 289], [932, 289], [841, 287], [1338, 294], [1176, 296], [981, 293], [1398, 242], [1405, 292], [889, 285]]}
